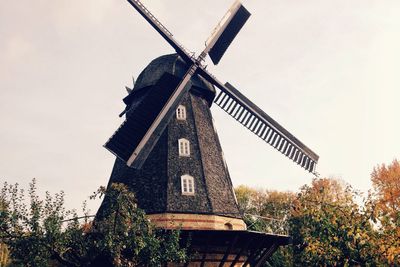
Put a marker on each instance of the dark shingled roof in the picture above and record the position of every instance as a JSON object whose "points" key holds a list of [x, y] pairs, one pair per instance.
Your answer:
{"points": [[172, 64]]}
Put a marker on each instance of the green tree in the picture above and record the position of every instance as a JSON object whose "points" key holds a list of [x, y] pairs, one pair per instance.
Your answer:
{"points": [[329, 228], [39, 235], [267, 211]]}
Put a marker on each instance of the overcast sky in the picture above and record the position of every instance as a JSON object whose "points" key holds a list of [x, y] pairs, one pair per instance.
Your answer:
{"points": [[328, 71]]}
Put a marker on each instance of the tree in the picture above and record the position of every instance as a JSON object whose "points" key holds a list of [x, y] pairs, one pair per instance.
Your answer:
{"points": [[386, 184], [41, 235], [329, 228], [261, 202], [267, 211]]}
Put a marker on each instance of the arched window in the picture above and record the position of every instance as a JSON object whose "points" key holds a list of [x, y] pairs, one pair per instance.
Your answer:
{"points": [[181, 112], [187, 184], [184, 147]]}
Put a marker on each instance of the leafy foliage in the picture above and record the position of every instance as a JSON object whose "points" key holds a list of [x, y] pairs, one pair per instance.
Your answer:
{"points": [[264, 202], [268, 211], [328, 227], [386, 183], [121, 235]]}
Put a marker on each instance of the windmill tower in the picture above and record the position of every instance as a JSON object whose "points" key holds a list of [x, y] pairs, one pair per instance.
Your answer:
{"points": [[184, 182], [169, 154]]}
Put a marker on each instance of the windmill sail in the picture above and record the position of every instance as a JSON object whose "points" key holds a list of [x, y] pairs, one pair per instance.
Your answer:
{"points": [[229, 98], [130, 135], [260, 123], [140, 148], [161, 29], [226, 31]]}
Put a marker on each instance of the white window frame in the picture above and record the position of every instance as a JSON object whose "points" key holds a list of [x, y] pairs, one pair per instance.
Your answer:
{"points": [[181, 113], [184, 147], [187, 185]]}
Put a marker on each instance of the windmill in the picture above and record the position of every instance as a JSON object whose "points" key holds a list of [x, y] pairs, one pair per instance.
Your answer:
{"points": [[169, 154]]}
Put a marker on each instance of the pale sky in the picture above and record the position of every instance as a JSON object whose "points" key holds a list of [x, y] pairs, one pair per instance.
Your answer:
{"points": [[328, 71]]}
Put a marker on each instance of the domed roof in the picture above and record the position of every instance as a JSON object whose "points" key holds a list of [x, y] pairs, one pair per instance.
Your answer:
{"points": [[174, 65]]}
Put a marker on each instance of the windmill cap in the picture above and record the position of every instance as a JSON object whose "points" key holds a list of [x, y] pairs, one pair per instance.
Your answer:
{"points": [[174, 65]]}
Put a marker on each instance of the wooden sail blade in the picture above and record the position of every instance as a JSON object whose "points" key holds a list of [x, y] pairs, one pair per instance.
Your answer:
{"points": [[226, 31], [162, 30], [260, 123], [134, 132], [276, 135]]}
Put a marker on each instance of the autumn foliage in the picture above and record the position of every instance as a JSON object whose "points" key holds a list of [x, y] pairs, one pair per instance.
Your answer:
{"points": [[329, 228], [386, 183], [331, 223]]}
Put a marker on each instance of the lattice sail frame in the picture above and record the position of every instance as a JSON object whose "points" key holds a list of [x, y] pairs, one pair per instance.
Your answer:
{"points": [[261, 125]]}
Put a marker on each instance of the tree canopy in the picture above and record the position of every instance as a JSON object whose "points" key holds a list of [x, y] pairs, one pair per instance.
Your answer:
{"points": [[330, 223], [386, 197], [41, 234]]}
